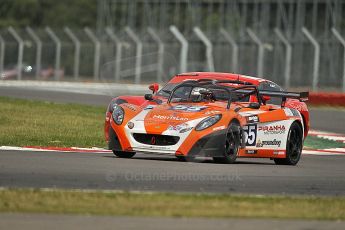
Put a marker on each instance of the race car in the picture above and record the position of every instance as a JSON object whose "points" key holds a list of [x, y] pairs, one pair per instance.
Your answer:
{"points": [[218, 115]]}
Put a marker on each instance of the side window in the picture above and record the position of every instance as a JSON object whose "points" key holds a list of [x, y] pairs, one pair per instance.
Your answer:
{"points": [[270, 86]]}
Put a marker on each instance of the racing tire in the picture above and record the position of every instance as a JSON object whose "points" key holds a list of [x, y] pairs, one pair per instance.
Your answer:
{"points": [[294, 146], [232, 145], [123, 154], [114, 144], [186, 158]]}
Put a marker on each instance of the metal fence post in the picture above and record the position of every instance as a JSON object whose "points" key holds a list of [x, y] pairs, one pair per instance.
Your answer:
{"points": [[118, 55], [20, 51], [97, 57], [316, 57], [261, 52], [342, 41], [234, 47], [184, 48], [38, 42], [2, 55], [288, 56], [160, 57], [77, 46], [139, 52], [209, 47], [57, 42]]}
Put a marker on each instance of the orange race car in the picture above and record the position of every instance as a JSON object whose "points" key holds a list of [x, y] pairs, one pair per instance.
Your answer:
{"points": [[218, 115]]}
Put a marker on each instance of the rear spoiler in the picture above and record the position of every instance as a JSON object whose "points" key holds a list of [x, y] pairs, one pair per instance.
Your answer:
{"points": [[301, 96]]}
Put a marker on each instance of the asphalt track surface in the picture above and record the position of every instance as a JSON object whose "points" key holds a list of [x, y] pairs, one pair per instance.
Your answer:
{"points": [[318, 175], [45, 221], [314, 175]]}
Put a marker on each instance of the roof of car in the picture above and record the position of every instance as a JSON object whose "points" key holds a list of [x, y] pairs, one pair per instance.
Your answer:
{"points": [[215, 75]]}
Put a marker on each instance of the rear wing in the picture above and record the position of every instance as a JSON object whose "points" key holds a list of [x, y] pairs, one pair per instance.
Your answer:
{"points": [[301, 96]]}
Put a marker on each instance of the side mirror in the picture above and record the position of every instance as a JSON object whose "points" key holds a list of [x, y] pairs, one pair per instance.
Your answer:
{"points": [[148, 97], [254, 105], [154, 87], [265, 98]]}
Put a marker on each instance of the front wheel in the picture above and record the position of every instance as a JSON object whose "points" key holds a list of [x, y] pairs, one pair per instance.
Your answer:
{"points": [[186, 158], [114, 145], [294, 146], [232, 143], [123, 154]]}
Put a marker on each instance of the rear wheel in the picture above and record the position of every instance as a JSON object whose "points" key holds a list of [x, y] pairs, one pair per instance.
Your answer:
{"points": [[232, 143], [294, 146], [114, 145]]}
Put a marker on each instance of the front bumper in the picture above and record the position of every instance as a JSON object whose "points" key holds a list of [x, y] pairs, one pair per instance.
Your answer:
{"points": [[212, 144]]}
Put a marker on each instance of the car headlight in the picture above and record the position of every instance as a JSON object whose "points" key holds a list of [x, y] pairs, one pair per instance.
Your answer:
{"points": [[118, 114], [207, 122]]}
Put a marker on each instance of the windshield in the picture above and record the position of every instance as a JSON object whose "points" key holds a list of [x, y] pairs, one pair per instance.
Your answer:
{"points": [[197, 94], [165, 91]]}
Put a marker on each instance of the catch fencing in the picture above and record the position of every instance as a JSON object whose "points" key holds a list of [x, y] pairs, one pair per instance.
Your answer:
{"points": [[294, 43]]}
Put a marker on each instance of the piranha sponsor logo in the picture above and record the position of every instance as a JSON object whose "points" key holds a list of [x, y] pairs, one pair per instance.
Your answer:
{"points": [[273, 129], [274, 142], [170, 118], [253, 119]]}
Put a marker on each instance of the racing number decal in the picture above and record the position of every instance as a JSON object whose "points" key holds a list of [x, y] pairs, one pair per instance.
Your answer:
{"points": [[250, 133], [188, 108]]}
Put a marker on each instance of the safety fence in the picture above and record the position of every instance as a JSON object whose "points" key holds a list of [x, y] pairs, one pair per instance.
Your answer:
{"points": [[148, 54]]}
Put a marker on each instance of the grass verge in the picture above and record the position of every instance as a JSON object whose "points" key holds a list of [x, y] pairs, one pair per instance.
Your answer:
{"points": [[39, 123], [312, 142], [171, 205]]}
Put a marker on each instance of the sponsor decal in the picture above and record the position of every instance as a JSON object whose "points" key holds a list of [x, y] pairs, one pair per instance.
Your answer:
{"points": [[177, 127], [253, 119], [212, 112], [251, 151], [278, 152], [219, 128], [288, 112], [129, 106], [291, 112], [182, 128], [153, 147], [250, 132], [297, 105], [188, 108], [295, 112], [148, 107], [171, 118], [272, 129], [274, 142]]}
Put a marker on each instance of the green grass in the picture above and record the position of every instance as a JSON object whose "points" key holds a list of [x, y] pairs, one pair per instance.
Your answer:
{"points": [[171, 205], [313, 142], [38, 123]]}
